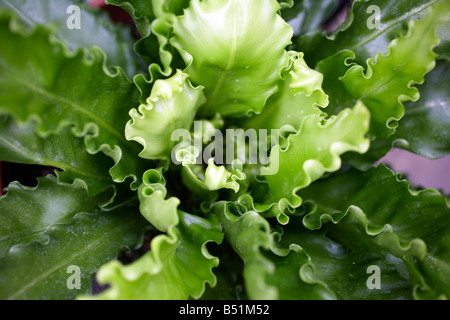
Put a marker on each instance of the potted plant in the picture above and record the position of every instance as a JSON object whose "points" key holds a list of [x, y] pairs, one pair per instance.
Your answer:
{"points": [[225, 149]]}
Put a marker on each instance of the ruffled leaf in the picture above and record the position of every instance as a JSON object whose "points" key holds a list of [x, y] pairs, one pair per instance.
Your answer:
{"points": [[177, 267], [411, 226], [154, 21], [90, 99], [214, 178], [270, 272], [345, 272], [22, 144], [172, 105], [225, 55], [425, 127], [333, 69], [96, 29], [300, 94], [28, 212], [307, 15], [314, 150], [389, 78], [159, 211], [361, 33], [47, 229]]}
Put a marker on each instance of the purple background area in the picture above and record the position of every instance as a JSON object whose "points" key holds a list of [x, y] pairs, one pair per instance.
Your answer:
{"points": [[420, 171]]}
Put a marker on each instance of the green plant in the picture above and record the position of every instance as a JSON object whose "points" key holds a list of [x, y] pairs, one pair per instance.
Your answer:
{"points": [[310, 224]]}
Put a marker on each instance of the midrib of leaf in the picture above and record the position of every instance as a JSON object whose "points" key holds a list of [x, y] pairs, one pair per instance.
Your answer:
{"points": [[388, 26], [230, 64], [54, 269], [123, 204], [169, 115], [50, 162], [380, 86], [393, 77], [66, 101], [42, 228], [427, 106], [44, 275]]}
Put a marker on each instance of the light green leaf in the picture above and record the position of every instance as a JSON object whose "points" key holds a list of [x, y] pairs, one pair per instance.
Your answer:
{"points": [[300, 95], [159, 211], [214, 178], [46, 229], [425, 127], [314, 150], [177, 267], [225, 44], [172, 105], [91, 99], [389, 79], [360, 32]]}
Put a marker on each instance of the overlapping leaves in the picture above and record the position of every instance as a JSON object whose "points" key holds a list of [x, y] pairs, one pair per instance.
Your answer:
{"points": [[95, 29], [54, 226], [92, 100], [270, 272], [172, 105], [177, 267], [232, 65], [411, 226], [389, 79], [20, 144], [365, 32]]}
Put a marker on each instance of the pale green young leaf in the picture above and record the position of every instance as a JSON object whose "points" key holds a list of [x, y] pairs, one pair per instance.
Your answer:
{"points": [[22, 144], [225, 44]]}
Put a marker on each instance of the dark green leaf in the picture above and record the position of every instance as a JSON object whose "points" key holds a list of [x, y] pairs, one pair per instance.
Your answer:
{"points": [[345, 271], [411, 226], [96, 28], [308, 15], [57, 88], [46, 229], [389, 79], [358, 35], [62, 150]]}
